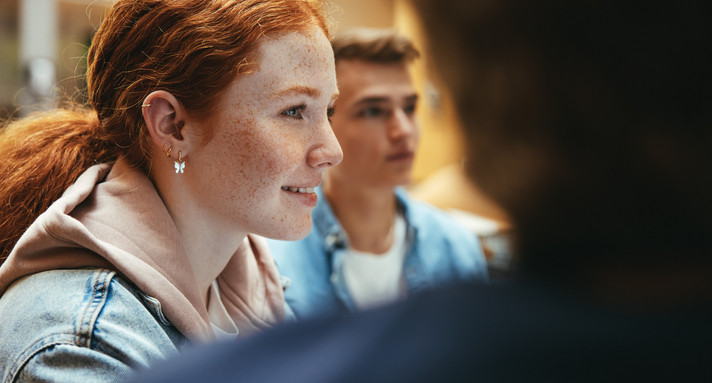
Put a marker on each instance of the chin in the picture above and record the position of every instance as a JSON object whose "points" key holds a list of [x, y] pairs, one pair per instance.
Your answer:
{"points": [[292, 233], [296, 236], [403, 181]]}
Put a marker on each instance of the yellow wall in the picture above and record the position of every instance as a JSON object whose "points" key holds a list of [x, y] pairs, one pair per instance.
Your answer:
{"points": [[360, 13], [440, 138]]}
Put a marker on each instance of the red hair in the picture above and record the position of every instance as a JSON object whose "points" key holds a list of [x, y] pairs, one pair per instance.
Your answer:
{"points": [[191, 48]]}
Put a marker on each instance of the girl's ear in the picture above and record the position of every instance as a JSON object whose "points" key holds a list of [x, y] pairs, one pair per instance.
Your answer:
{"points": [[165, 119]]}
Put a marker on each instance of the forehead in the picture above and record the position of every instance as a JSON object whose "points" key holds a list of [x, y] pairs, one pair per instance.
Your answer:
{"points": [[359, 79], [292, 60]]}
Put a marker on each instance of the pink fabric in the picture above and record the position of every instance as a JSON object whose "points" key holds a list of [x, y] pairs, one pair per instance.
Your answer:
{"points": [[250, 302], [113, 217]]}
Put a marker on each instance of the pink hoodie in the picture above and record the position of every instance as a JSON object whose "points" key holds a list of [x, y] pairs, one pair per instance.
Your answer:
{"points": [[113, 217]]}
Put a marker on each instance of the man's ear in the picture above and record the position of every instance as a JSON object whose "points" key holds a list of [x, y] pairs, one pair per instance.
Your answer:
{"points": [[165, 119]]}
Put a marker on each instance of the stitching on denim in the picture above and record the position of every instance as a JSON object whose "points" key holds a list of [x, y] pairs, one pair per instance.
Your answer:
{"points": [[94, 307], [40, 346], [151, 304], [154, 307]]}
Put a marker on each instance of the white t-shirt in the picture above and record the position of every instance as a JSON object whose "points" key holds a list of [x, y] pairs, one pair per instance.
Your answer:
{"points": [[377, 279], [223, 326]]}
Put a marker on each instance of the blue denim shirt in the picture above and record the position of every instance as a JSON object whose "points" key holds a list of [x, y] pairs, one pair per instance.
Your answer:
{"points": [[80, 325], [439, 251]]}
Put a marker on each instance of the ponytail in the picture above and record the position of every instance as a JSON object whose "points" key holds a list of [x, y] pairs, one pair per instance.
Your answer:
{"points": [[40, 156]]}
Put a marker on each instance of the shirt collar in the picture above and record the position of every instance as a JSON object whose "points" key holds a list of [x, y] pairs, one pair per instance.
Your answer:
{"points": [[325, 221]]}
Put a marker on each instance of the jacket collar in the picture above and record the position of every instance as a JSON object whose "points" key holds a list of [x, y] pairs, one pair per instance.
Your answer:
{"points": [[335, 237], [325, 222]]}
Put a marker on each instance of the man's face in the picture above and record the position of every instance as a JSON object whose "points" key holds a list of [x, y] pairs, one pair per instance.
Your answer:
{"points": [[374, 121]]}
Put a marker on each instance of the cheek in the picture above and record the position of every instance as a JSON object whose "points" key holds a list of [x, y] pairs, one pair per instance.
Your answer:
{"points": [[352, 150], [233, 163], [352, 137], [262, 157]]}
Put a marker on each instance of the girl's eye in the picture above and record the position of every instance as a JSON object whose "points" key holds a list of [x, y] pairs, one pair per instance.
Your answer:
{"points": [[330, 113], [294, 112]]}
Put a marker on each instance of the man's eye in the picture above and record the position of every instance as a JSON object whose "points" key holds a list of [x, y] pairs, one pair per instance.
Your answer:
{"points": [[294, 112], [371, 112], [409, 109]]}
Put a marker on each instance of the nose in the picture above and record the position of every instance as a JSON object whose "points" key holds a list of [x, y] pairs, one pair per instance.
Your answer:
{"points": [[327, 151], [401, 125]]}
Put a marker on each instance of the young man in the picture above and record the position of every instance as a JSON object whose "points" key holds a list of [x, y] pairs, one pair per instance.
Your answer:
{"points": [[370, 243]]}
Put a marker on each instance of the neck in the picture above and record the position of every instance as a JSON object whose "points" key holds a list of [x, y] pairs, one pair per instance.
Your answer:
{"points": [[209, 243], [366, 214]]}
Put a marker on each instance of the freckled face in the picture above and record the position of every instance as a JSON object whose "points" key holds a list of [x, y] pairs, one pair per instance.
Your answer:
{"points": [[272, 136], [375, 124]]}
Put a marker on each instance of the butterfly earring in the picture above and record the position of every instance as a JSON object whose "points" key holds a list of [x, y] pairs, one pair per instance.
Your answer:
{"points": [[179, 164]]}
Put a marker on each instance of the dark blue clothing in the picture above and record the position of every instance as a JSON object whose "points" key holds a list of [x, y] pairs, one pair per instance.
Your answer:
{"points": [[465, 334]]}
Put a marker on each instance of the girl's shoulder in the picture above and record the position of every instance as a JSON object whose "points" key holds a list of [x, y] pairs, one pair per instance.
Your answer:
{"points": [[83, 318]]}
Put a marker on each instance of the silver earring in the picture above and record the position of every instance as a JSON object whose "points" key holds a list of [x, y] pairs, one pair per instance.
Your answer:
{"points": [[179, 164]]}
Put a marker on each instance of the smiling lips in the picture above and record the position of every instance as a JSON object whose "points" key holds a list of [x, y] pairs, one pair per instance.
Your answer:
{"points": [[305, 195], [298, 190]]}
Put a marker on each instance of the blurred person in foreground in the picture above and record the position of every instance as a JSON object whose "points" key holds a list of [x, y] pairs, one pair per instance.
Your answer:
{"points": [[589, 122], [371, 244]]}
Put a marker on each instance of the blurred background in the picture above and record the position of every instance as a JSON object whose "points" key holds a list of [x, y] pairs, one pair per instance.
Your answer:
{"points": [[43, 46]]}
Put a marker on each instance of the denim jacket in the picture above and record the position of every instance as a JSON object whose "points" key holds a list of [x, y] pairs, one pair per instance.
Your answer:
{"points": [[439, 251], [87, 325]]}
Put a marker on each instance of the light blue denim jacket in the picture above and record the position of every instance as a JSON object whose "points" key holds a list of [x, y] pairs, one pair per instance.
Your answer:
{"points": [[80, 325], [439, 251]]}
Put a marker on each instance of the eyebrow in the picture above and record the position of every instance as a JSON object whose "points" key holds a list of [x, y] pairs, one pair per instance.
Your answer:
{"points": [[309, 91], [376, 100]]}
